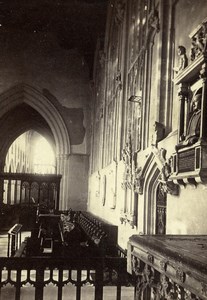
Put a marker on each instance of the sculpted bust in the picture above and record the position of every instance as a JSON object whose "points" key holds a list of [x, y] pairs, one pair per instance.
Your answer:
{"points": [[183, 60], [193, 130]]}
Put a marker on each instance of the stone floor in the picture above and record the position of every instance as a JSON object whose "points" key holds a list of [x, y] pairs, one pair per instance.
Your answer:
{"points": [[69, 293]]}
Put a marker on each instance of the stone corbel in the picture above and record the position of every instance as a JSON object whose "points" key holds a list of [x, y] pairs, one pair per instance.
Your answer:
{"points": [[159, 132], [169, 187]]}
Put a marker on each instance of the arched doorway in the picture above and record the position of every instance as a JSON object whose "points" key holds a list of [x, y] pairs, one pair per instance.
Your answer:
{"points": [[155, 197]]}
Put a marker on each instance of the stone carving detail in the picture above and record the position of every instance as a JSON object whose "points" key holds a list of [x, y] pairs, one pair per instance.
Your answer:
{"points": [[165, 168], [165, 289], [189, 296], [149, 281], [144, 279], [183, 60], [118, 80], [128, 218], [127, 159], [120, 9], [163, 265], [180, 275], [199, 41], [204, 288], [136, 265], [133, 175], [154, 20], [138, 180], [150, 258], [158, 135]]}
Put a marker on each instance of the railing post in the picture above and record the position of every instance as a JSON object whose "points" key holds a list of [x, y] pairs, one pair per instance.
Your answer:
{"points": [[118, 289], [39, 286], [18, 285], [99, 281], [60, 284], [78, 286]]}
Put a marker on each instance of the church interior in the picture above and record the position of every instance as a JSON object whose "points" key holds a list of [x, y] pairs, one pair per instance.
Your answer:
{"points": [[103, 149]]}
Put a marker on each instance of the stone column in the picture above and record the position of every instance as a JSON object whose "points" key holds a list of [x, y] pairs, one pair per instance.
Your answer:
{"points": [[183, 94], [63, 169], [203, 129]]}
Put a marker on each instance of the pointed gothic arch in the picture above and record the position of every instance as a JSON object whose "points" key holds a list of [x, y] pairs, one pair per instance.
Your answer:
{"points": [[152, 170], [25, 94]]}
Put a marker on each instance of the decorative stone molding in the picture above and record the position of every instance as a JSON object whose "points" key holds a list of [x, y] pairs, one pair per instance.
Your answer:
{"points": [[199, 40]]}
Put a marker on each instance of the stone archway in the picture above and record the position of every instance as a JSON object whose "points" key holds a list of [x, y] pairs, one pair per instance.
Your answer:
{"points": [[26, 94]]}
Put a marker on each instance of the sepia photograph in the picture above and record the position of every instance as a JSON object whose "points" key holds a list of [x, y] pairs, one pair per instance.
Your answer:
{"points": [[103, 150]]}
